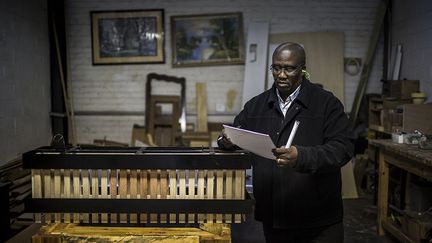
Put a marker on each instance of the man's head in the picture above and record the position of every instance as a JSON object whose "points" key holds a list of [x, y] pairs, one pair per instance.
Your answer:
{"points": [[289, 60]]}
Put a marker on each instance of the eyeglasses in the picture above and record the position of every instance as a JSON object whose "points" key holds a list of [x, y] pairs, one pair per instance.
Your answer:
{"points": [[288, 70]]}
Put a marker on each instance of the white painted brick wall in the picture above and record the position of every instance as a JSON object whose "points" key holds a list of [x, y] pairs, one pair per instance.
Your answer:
{"points": [[121, 87], [24, 78], [412, 27]]}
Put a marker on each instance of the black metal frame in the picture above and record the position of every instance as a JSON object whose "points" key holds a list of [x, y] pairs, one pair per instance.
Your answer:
{"points": [[139, 206], [135, 158]]}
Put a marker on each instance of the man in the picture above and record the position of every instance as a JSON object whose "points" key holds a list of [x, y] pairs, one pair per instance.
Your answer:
{"points": [[298, 195]]}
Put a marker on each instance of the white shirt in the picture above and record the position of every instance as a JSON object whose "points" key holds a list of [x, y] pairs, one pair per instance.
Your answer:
{"points": [[284, 105]]}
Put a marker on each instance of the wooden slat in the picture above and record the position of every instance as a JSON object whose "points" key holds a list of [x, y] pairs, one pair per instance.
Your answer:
{"points": [[200, 192], [95, 193], [67, 191], [201, 96], [133, 193], [173, 192], [47, 190], [182, 192], [153, 192], [191, 193], [113, 193], [238, 191], [86, 191], [104, 193], [76, 192], [143, 193], [210, 192], [163, 193], [219, 191], [228, 192], [123, 192], [37, 190], [57, 192]]}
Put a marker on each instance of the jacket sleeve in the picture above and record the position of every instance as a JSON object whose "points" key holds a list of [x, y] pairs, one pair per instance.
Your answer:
{"points": [[338, 146]]}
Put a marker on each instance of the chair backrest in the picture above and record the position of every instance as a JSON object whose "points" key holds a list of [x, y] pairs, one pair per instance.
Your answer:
{"points": [[178, 103]]}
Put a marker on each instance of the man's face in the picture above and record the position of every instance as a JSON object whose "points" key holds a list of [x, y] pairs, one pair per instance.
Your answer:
{"points": [[286, 70]]}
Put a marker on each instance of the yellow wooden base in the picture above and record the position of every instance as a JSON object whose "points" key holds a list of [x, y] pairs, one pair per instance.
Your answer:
{"points": [[60, 232]]}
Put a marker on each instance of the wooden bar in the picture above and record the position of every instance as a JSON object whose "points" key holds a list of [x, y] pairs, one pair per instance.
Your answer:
{"points": [[123, 192], [133, 193], [143, 193], [154, 193], [104, 193], [86, 192], [163, 193], [219, 191], [182, 192], [201, 179], [113, 193], [95, 193], [173, 192], [37, 190], [76, 192], [210, 193], [206, 233], [66, 191], [228, 192]]}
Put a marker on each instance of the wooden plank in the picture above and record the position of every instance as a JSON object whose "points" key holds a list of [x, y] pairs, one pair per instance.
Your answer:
{"points": [[173, 192], [113, 192], [133, 193], [238, 191], [123, 192], [104, 193], [220, 233], [153, 192], [67, 191], [383, 182], [76, 192], [210, 193], [191, 193], [228, 192], [201, 99], [200, 192], [95, 193], [57, 192], [163, 193], [47, 190], [182, 192], [143, 193], [219, 191], [37, 190], [86, 192]]}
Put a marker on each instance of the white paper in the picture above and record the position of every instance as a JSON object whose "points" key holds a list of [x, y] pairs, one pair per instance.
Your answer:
{"points": [[255, 142]]}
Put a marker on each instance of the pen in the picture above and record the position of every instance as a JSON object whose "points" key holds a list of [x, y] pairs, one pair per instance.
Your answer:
{"points": [[292, 134]]}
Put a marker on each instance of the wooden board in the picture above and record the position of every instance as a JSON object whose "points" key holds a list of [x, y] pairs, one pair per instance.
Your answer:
{"points": [[201, 99], [74, 233]]}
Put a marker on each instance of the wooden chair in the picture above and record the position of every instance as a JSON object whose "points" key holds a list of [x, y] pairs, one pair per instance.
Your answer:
{"points": [[164, 127]]}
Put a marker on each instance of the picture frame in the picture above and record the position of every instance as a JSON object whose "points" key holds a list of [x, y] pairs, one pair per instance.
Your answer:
{"points": [[127, 36], [210, 39]]}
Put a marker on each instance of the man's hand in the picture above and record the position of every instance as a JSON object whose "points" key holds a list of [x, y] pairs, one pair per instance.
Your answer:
{"points": [[224, 141], [285, 157]]}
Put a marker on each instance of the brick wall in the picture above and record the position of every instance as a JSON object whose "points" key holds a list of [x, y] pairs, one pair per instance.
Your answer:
{"points": [[121, 87], [24, 77], [412, 27]]}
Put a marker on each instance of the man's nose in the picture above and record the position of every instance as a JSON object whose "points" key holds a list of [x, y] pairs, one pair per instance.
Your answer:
{"points": [[282, 74]]}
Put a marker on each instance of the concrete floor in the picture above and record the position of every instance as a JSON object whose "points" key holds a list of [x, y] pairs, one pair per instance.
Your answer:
{"points": [[359, 222]]}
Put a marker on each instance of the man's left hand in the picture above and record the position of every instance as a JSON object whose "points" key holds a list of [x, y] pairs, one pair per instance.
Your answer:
{"points": [[286, 157]]}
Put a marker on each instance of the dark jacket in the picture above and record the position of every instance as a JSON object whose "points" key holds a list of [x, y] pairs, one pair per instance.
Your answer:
{"points": [[310, 194]]}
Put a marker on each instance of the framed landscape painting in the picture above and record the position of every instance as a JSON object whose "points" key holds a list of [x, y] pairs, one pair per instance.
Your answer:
{"points": [[135, 36], [211, 39]]}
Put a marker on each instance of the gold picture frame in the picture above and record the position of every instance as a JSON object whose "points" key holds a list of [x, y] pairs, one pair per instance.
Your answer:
{"points": [[211, 39], [128, 36]]}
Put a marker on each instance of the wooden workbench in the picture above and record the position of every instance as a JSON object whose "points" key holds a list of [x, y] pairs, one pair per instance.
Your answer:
{"points": [[406, 157]]}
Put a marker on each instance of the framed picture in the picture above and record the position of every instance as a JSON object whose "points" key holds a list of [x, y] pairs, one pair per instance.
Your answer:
{"points": [[135, 36], [212, 39]]}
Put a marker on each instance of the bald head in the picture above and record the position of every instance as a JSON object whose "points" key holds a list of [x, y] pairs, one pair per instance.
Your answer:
{"points": [[292, 49]]}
